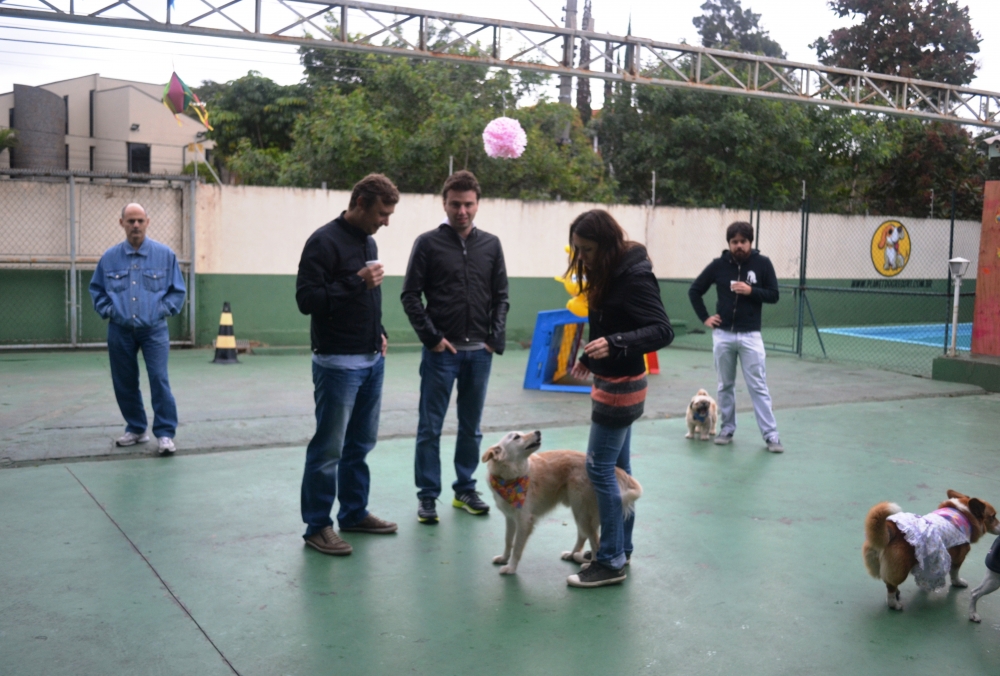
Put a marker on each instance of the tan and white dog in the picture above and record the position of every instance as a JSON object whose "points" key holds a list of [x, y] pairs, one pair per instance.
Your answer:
{"points": [[932, 547], [527, 485], [702, 416]]}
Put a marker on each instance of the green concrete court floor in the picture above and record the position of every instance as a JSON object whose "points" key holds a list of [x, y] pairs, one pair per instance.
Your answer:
{"points": [[59, 405], [745, 563]]}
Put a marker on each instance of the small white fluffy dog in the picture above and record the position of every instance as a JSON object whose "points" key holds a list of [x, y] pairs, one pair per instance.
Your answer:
{"points": [[702, 416], [527, 485]]}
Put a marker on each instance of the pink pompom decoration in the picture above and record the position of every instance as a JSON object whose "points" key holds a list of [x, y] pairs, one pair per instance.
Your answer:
{"points": [[504, 137]]}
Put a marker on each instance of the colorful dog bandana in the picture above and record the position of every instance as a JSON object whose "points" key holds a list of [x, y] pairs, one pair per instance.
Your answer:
{"points": [[514, 491]]}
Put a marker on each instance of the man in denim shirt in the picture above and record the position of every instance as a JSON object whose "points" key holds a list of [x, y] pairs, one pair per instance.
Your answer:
{"points": [[137, 285]]}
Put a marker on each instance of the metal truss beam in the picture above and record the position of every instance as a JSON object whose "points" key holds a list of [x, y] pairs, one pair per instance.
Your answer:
{"points": [[459, 38]]}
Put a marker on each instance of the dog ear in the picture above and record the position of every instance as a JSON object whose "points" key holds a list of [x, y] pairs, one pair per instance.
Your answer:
{"points": [[885, 235], [490, 453], [956, 494], [977, 508]]}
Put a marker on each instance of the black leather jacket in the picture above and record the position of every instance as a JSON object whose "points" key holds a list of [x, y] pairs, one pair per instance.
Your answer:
{"points": [[631, 317], [345, 315], [465, 284]]}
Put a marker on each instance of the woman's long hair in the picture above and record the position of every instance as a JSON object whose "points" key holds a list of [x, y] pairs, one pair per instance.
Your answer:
{"points": [[600, 227]]}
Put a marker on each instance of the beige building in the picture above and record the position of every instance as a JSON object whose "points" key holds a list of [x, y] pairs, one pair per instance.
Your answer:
{"points": [[95, 123]]}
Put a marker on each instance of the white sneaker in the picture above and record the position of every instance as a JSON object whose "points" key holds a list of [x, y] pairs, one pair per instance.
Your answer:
{"points": [[166, 446], [131, 439]]}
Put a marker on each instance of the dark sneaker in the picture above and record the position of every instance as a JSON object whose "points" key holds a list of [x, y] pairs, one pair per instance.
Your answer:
{"points": [[470, 502], [723, 439], [427, 511], [774, 446], [371, 524], [328, 542], [596, 575]]}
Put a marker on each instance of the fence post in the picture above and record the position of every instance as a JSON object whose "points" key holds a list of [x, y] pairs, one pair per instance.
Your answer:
{"points": [[803, 253], [73, 290], [192, 309], [951, 254]]}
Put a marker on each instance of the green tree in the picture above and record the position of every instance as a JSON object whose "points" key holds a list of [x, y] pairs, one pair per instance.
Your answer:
{"points": [[254, 108], [923, 39], [8, 139], [726, 25]]}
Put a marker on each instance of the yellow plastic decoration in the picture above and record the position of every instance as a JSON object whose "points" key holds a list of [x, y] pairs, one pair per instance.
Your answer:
{"points": [[578, 303]]}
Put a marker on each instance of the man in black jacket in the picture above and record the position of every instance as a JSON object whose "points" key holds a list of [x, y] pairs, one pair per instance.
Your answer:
{"points": [[460, 271], [744, 280], [338, 285]]}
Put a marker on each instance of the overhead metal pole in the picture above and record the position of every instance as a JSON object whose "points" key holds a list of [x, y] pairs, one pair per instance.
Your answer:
{"points": [[569, 45], [394, 30]]}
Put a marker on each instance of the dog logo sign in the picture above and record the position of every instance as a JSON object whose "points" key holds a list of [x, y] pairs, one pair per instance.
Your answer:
{"points": [[890, 248]]}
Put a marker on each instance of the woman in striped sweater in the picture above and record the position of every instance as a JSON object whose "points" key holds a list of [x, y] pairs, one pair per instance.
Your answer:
{"points": [[627, 320]]}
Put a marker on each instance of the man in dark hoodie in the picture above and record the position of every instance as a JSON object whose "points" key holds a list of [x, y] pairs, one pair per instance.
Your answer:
{"points": [[744, 281]]}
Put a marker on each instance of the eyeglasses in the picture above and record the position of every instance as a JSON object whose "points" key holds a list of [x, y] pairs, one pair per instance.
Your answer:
{"points": [[135, 220]]}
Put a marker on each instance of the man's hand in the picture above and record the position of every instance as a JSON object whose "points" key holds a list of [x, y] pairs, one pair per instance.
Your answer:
{"points": [[579, 371], [741, 288], [713, 321], [444, 345], [385, 344], [489, 349], [372, 274], [597, 349]]}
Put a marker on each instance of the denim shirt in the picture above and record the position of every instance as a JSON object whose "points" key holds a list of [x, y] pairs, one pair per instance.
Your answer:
{"points": [[138, 289]]}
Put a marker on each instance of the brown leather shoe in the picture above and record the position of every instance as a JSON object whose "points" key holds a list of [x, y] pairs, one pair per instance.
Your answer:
{"points": [[328, 542], [371, 524]]}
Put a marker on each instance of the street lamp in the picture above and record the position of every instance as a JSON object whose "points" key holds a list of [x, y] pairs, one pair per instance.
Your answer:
{"points": [[957, 267]]}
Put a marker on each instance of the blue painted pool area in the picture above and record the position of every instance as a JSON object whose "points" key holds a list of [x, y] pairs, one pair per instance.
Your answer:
{"points": [[931, 335]]}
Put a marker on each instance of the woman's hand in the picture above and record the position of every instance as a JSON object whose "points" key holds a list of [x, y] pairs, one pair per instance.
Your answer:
{"points": [[597, 349], [579, 371]]}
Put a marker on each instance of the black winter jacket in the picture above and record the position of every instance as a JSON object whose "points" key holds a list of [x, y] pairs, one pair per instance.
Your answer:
{"points": [[738, 313], [631, 317], [465, 284], [345, 315]]}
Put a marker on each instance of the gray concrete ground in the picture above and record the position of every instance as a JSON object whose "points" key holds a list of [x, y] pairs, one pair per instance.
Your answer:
{"points": [[60, 405]]}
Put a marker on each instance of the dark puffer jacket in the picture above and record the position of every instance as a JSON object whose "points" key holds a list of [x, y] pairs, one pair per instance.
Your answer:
{"points": [[631, 317]]}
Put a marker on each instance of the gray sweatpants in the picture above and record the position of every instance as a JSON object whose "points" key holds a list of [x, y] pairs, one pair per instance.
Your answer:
{"points": [[749, 347]]}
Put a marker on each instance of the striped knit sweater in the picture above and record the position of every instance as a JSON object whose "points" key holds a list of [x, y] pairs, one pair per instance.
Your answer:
{"points": [[617, 402]]}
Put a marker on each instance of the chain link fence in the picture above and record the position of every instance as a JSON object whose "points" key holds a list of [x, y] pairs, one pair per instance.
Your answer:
{"points": [[54, 227], [870, 290]]}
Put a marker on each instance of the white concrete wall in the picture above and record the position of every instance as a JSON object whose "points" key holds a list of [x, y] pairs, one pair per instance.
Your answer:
{"points": [[255, 230]]}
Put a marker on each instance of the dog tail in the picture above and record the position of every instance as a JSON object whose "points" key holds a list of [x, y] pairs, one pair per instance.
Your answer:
{"points": [[630, 490], [877, 535]]}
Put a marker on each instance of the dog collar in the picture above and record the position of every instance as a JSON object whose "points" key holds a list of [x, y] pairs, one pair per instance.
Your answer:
{"points": [[513, 491]]}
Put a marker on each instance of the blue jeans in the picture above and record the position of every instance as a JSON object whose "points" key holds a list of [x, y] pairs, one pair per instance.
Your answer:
{"points": [[348, 403], [609, 447], [124, 344], [438, 372]]}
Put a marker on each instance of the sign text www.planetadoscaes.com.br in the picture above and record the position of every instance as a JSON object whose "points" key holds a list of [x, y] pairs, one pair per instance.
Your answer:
{"points": [[892, 283]]}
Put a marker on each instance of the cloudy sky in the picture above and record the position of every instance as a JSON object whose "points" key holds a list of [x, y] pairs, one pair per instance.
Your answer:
{"points": [[36, 52]]}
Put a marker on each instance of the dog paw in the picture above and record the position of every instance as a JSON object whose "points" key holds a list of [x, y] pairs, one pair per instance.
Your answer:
{"points": [[974, 617], [704, 437], [689, 436], [508, 570], [895, 604], [960, 583], [500, 559], [566, 556]]}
